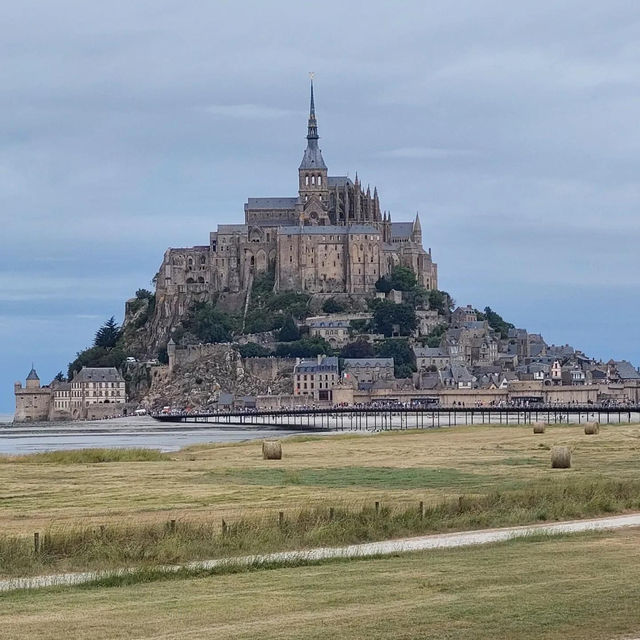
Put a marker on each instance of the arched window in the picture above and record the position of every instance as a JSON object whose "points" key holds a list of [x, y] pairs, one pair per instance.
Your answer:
{"points": [[201, 280], [313, 180], [203, 259], [306, 180], [319, 180], [189, 280]]}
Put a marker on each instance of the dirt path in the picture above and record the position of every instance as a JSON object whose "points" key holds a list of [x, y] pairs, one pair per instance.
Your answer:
{"points": [[386, 547]]}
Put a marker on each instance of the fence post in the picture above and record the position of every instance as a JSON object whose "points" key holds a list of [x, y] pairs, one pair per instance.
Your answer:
{"points": [[331, 513], [280, 518], [377, 507], [421, 509], [172, 526], [36, 542], [224, 527]]}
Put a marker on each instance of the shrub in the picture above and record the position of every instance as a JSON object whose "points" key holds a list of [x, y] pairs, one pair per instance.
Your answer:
{"points": [[404, 359], [305, 348], [358, 349], [289, 331], [388, 314], [332, 305], [253, 350]]}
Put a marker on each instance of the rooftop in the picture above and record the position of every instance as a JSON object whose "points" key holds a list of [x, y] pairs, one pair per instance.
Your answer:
{"points": [[98, 374]]}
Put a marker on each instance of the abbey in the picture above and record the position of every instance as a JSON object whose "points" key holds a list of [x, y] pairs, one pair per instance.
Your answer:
{"points": [[332, 237]]}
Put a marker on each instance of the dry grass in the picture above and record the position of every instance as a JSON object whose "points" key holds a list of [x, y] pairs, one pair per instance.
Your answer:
{"points": [[560, 458], [585, 586], [230, 481]]}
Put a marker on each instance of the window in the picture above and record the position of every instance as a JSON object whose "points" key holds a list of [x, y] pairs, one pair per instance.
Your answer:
{"points": [[319, 183]]}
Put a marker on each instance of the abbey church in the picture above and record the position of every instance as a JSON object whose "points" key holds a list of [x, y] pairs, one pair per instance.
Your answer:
{"points": [[332, 237]]}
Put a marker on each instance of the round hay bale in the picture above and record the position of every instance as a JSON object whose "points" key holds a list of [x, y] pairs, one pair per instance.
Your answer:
{"points": [[560, 458], [591, 428], [539, 427], [271, 450]]}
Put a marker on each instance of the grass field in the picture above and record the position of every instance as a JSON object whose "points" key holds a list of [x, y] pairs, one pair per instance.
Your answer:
{"points": [[583, 586], [232, 481]]}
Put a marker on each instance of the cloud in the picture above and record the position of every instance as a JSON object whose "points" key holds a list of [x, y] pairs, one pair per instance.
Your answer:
{"points": [[248, 111], [428, 153]]}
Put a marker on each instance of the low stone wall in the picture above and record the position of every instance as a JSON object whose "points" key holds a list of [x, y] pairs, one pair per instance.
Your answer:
{"points": [[269, 368]]}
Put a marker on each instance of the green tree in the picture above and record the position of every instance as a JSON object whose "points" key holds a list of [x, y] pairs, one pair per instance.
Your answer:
{"points": [[383, 284], [209, 324], [497, 323], [97, 357], [60, 377], [305, 348], [163, 356], [144, 294], [440, 301], [404, 360], [387, 314], [403, 279], [253, 350], [107, 335], [289, 331], [332, 305], [358, 349]]}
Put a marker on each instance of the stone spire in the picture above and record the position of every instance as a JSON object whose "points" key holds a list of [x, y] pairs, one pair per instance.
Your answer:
{"points": [[312, 158], [416, 231]]}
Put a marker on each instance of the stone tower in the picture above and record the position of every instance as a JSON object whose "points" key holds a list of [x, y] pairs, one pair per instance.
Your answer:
{"points": [[313, 183], [32, 400]]}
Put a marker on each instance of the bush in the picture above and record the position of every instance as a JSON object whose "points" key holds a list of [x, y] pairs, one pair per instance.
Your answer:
{"points": [[404, 360], [358, 349], [497, 323], [305, 348], [209, 324], [97, 357], [388, 314], [253, 350], [331, 305], [440, 301], [289, 331], [400, 279]]}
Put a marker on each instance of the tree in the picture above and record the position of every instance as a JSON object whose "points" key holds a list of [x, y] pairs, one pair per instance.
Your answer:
{"points": [[253, 350], [400, 279], [209, 324], [305, 348], [60, 377], [358, 349], [97, 357], [404, 360], [332, 305], [440, 301], [289, 331], [497, 323], [144, 294], [403, 279], [107, 335], [387, 314]]}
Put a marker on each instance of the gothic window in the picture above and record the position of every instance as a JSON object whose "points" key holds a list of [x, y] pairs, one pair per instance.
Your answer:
{"points": [[306, 180], [319, 182]]}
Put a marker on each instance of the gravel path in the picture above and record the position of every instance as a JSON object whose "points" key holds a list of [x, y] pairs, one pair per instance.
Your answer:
{"points": [[387, 547]]}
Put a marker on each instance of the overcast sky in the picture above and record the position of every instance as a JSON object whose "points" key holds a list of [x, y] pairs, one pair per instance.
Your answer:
{"points": [[130, 126]]}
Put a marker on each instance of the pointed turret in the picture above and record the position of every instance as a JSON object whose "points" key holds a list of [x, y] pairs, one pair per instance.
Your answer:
{"points": [[312, 158], [33, 381], [416, 232]]}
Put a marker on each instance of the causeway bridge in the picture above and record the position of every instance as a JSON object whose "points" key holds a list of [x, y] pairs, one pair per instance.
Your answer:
{"points": [[393, 418]]}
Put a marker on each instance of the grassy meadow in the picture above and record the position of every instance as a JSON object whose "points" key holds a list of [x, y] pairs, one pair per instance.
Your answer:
{"points": [[570, 587], [109, 508]]}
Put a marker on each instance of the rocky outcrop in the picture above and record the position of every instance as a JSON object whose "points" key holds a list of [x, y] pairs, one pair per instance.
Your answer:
{"points": [[198, 380]]}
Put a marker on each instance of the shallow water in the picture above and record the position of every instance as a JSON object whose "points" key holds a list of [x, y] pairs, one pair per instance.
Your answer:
{"points": [[141, 431]]}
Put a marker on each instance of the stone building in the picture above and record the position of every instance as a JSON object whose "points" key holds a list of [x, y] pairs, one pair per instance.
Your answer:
{"points": [[334, 331], [315, 378], [97, 386], [332, 237], [93, 393], [32, 400], [369, 369]]}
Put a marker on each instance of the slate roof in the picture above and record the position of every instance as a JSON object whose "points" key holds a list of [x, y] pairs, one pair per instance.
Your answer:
{"points": [[367, 362], [232, 228], [626, 370], [33, 375], [429, 352], [98, 374], [338, 181], [271, 203], [320, 324], [312, 366], [401, 229]]}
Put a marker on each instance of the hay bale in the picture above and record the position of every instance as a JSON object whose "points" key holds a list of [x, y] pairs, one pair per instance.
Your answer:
{"points": [[539, 427], [592, 428], [560, 458], [271, 450]]}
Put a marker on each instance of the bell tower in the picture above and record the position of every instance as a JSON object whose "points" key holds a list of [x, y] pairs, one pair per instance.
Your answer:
{"points": [[313, 186]]}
